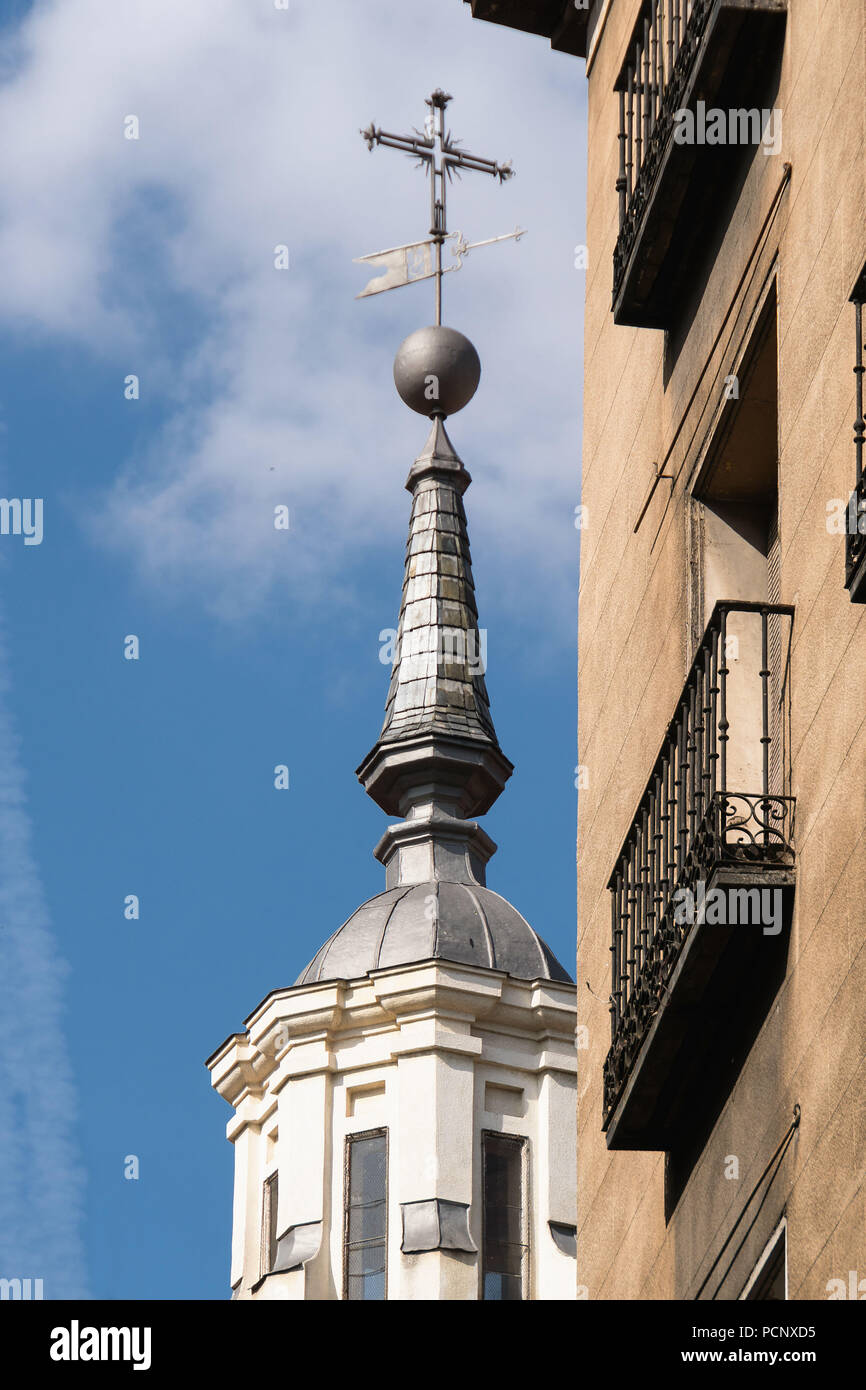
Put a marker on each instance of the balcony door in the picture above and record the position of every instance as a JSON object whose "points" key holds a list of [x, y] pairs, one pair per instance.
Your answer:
{"points": [[736, 542]]}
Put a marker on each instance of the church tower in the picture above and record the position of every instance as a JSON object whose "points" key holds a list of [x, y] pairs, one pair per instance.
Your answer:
{"points": [[404, 1115]]}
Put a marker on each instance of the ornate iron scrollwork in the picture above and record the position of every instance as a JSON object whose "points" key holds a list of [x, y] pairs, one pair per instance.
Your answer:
{"points": [[689, 824]]}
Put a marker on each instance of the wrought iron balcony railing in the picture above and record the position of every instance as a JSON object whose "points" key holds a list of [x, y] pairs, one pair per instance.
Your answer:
{"points": [[855, 529], [651, 87], [681, 51], [715, 807]]}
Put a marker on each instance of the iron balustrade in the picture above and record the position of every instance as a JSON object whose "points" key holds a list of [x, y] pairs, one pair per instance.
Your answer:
{"points": [[698, 813], [855, 538], [651, 89]]}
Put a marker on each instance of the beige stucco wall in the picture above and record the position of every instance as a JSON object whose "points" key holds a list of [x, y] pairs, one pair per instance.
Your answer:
{"points": [[635, 645]]}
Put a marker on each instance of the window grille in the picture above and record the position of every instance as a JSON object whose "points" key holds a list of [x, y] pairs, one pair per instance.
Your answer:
{"points": [[366, 1216], [505, 1243], [270, 1200]]}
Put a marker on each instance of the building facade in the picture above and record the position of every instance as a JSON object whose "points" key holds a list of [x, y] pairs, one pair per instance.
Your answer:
{"points": [[722, 647], [403, 1116]]}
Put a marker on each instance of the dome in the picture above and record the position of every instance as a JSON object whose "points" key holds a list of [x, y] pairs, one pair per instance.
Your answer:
{"points": [[471, 925]]}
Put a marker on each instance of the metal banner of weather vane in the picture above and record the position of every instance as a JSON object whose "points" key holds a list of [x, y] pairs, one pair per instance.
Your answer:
{"points": [[441, 153]]}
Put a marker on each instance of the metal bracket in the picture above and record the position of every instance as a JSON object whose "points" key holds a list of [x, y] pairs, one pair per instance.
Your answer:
{"points": [[657, 478]]}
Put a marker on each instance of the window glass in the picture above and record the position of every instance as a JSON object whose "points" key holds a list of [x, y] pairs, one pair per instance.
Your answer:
{"points": [[505, 1246], [270, 1198], [366, 1216]]}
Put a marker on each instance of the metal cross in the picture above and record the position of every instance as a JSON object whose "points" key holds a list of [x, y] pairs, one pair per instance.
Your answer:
{"points": [[443, 157]]}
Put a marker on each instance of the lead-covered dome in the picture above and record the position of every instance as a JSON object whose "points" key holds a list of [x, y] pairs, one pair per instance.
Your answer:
{"points": [[435, 921]]}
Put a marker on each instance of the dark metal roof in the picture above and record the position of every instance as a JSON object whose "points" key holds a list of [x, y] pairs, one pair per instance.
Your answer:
{"points": [[435, 921]]}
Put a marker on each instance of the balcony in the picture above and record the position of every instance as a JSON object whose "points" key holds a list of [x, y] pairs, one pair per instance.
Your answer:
{"points": [[683, 53], [701, 890], [562, 21], [855, 543], [855, 524]]}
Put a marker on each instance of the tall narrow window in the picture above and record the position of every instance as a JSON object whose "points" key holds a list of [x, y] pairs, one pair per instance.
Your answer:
{"points": [[270, 1198], [736, 537], [504, 1235], [366, 1216]]}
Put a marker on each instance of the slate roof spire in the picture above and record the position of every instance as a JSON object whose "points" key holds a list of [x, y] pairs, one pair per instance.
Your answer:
{"points": [[437, 758]]}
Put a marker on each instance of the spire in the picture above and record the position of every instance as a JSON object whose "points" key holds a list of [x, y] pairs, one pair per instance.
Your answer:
{"points": [[437, 683], [437, 760]]}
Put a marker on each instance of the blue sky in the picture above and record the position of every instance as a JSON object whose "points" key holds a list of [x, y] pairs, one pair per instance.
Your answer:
{"points": [[258, 647]]}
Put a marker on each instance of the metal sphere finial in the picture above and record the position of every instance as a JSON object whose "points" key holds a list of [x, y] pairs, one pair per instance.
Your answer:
{"points": [[436, 371]]}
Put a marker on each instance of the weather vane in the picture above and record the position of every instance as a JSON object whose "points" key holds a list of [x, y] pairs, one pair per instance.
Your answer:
{"points": [[443, 157]]}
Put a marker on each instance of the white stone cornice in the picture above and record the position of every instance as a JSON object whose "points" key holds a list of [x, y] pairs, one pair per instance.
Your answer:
{"points": [[305, 1058], [436, 985], [296, 1012], [433, 1035], [435, 1006], [248, 1112], [234, 1070]]}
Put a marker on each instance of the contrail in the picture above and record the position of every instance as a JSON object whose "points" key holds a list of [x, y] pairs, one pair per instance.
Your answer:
{"points": [[41, 1177]]}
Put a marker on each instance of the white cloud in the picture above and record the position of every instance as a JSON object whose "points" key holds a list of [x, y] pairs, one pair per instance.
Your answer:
{"points": [[157, 254], [41, 1179]]}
